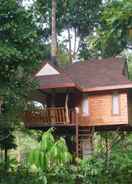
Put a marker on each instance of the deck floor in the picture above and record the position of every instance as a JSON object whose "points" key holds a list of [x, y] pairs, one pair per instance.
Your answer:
{"points": [[73, 125]]}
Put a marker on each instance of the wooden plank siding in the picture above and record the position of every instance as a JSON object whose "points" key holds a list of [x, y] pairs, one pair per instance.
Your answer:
{"points": [[100, 110]]}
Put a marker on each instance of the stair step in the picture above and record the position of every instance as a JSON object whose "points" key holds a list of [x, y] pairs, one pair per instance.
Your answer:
{"points": [[88, 133], [84, 135], [84, 130]]}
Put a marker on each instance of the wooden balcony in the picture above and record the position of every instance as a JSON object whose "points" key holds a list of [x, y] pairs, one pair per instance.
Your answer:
{"points": [[52, 116]]}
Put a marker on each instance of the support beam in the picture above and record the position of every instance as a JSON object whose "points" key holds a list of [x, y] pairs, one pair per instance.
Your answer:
{"points": [[66, 107], [77, 136], [53, 99]]}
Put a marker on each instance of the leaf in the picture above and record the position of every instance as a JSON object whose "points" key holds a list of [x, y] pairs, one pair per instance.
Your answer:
{"points": [[47, 141], [45, 180]]}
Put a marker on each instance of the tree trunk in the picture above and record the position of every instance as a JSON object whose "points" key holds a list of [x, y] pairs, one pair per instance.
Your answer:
{"points": [[70, 50], [54, 35], [6, 158], [75, 43], [107, 151]]}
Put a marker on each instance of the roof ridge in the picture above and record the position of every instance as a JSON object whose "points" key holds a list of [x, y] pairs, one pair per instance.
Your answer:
{"points": [[95, 60]]}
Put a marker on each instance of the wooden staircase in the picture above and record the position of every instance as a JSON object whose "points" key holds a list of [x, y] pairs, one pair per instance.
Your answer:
{"points": [[84, 138]]}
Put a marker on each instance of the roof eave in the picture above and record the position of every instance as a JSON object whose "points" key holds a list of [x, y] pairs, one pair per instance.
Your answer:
{"points": [[64, 85], [105, 88]]}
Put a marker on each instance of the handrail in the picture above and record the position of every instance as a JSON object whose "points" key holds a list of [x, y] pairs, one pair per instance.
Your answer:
{"points": [[49, 115]]}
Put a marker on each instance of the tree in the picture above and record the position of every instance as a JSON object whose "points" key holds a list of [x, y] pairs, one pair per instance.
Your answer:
{"points": [[75, 17], [114, 33], [49, 153], [54, 35], [20, 52], [7, 141], [19, 55]]}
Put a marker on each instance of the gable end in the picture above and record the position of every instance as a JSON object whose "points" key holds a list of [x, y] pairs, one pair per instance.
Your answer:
{"points": [[47, 70]]}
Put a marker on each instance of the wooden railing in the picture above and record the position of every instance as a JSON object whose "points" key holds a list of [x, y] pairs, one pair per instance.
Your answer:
{"points": [[52, 115]]}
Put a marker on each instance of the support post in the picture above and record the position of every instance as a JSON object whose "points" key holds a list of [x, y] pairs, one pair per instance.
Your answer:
{"points": [[92, 137], [53, 99], [77, 135], [66, 107], [52, 113]]}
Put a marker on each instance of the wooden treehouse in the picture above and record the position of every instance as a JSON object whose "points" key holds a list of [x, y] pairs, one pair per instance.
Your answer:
{"points": [[82, 97]]}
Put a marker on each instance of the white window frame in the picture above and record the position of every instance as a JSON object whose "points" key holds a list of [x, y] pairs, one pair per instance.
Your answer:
{"points": [[115, 104], [85, 105]]}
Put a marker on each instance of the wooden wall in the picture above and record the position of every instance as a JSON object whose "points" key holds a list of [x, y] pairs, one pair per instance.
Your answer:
{"points": [[100, 107], [130, 107]]}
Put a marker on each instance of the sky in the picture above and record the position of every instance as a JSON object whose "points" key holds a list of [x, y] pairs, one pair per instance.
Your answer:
{"points": [[27, 3]]}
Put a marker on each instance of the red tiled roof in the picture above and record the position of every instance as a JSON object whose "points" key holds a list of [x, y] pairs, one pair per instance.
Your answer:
{"points": [[91, 75], [55, 81], [98, 73]]}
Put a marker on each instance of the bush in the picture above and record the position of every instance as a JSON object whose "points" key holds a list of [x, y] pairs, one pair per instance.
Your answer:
{"points": [[51, 163]]}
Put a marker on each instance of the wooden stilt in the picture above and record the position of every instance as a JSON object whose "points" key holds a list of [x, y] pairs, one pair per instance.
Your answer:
{"points": [[77, 136], [92, 137]]}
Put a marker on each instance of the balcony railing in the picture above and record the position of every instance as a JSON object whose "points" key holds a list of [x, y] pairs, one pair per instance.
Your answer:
{"points": [[50, 116]]}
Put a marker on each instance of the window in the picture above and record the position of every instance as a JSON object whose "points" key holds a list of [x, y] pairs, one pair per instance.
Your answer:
{"points": [[35, 105], [85, 105], [115, 104]]}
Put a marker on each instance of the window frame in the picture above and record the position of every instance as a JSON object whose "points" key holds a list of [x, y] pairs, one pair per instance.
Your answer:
{"points": [[118, 96], [85, 97]]}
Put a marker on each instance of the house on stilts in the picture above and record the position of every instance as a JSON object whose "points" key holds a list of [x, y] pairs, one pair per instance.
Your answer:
{"points": [[82, 98]]}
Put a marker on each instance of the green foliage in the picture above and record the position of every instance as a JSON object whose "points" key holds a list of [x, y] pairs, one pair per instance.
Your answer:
{"points": [[50, 154], [20, 52], [80, 17], [117, 21], [20, 46], [70, 14], [7, 140], [91, 171], [58, 170], [19, 55], [113, 34], [62, 55], [52, 160], [129, 55]]}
